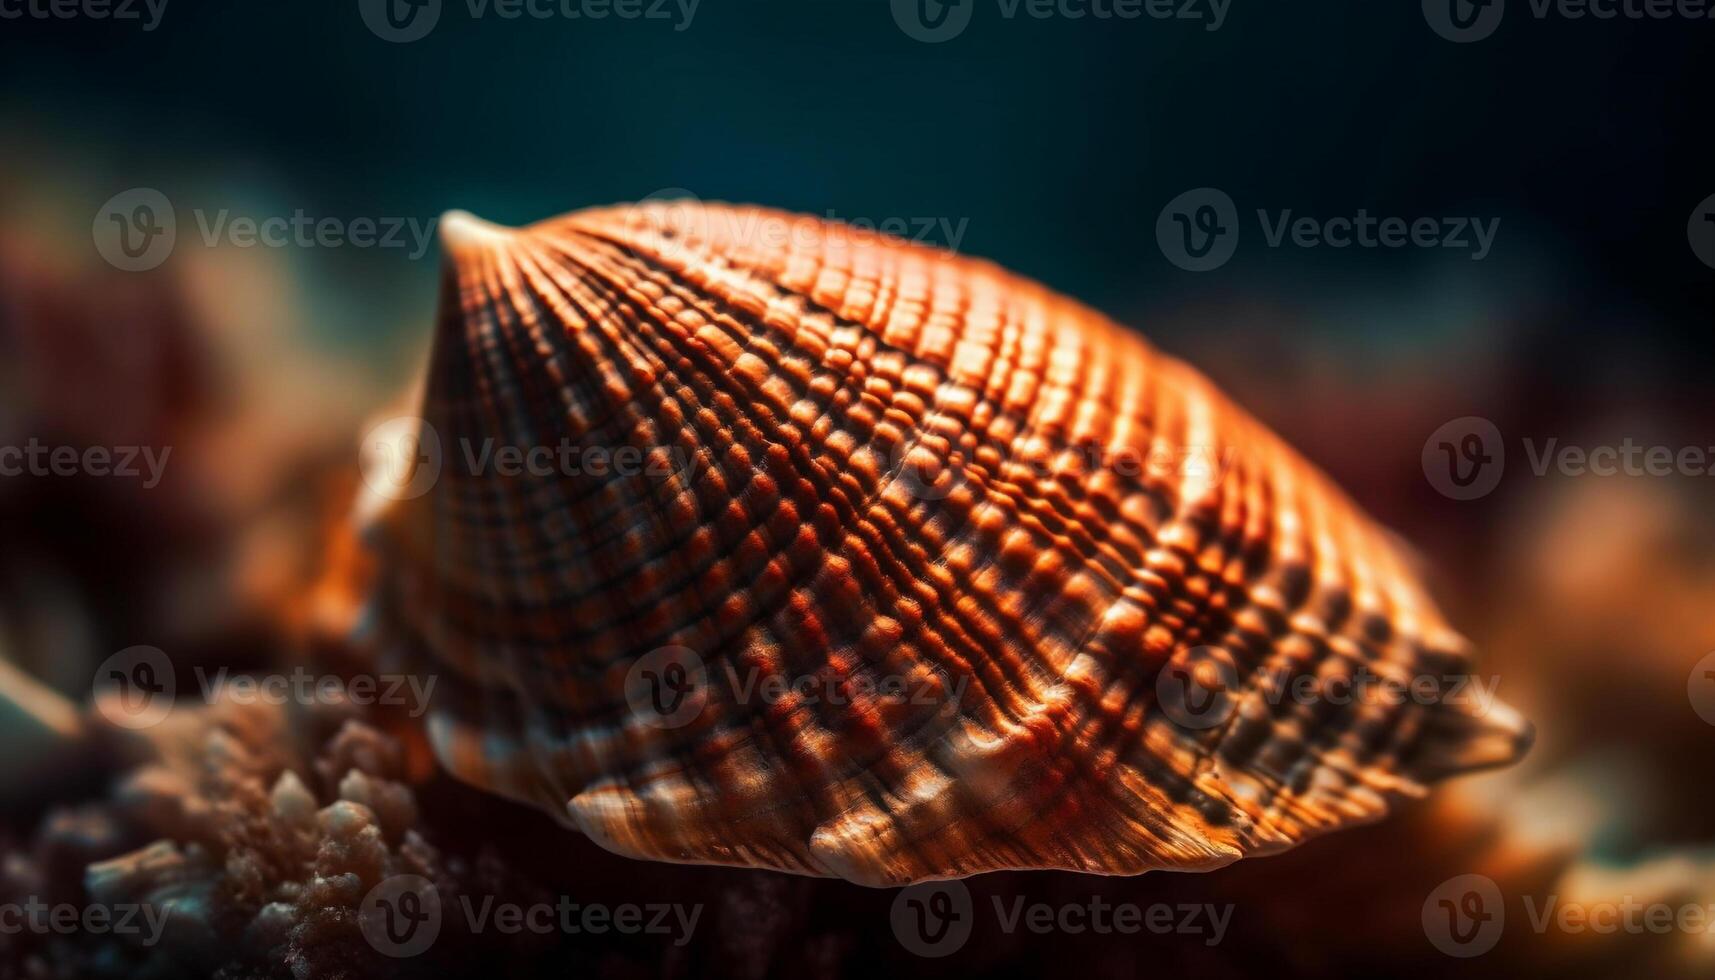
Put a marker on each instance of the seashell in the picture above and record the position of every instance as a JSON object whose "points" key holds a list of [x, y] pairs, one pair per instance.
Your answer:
{"points": [[880, 596]]}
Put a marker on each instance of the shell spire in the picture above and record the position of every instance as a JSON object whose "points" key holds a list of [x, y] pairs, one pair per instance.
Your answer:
{"points": [[825, 552]]}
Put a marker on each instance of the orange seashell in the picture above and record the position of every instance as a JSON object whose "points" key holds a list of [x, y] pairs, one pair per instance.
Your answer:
{"points": [[843, 556]]}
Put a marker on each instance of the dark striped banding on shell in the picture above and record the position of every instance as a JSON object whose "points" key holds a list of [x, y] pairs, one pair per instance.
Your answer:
{"points": [[847, 556]]}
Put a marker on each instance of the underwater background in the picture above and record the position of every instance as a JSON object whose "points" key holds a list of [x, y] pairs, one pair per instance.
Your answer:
{"points": [[1050, 145]]}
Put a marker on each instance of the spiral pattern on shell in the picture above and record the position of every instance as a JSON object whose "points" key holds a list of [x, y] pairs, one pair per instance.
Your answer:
{"points": [[918, 569]]}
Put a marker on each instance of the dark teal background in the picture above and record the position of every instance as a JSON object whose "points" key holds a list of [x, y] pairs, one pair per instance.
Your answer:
{"points": [[1057, 143], [1059, 140]]}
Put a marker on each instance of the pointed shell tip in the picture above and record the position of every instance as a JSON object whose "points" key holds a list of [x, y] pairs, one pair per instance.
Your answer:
{"points": [[461, 230]]}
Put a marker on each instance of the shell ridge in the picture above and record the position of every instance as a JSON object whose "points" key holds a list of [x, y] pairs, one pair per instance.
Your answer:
{"points": [[882, 488], [891, 479]]}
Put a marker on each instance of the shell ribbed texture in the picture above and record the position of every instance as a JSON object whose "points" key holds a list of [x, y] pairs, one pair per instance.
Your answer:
{"points": [[969, 519]]}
